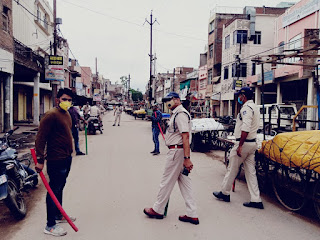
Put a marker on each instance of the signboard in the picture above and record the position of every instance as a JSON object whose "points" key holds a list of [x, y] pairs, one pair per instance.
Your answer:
{"points": [[96, 97], [54, 68], [302, 12], [268, 78], [237, 84]]}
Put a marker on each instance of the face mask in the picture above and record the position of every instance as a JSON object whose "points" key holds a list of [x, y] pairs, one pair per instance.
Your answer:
{"points": [[65, 105], [239, 101], [170, 104]]}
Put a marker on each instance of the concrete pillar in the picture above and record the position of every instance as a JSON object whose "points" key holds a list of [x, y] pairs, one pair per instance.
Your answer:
{"points": [[279, 94], [221, 108], [311, 100], [36, 99], [257, 97], [8, 100]]}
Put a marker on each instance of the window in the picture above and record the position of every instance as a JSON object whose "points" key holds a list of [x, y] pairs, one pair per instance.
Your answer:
{"points": [[38, 14], [240, 36], [257, 38], [211, 27], [234, 70], [239, 70], [227, 42], [226, 72], [295, 43], [45, 22], [211, 51], [281, 48], [253, 69], [5, 19], [210, 74], [243, 70]]}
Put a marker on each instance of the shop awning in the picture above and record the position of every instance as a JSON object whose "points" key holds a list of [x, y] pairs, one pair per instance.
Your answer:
{"points": [[43, 86], [215, 79]]}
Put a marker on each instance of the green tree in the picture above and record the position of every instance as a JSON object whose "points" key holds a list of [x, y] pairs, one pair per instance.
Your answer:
{"points": [[136, 95]]}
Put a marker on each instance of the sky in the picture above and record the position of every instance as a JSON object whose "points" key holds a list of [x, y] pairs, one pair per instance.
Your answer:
{"points": [[113, 31]]}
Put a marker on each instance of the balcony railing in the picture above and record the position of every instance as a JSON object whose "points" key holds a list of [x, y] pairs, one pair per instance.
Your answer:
{"points": [[24, 55]]}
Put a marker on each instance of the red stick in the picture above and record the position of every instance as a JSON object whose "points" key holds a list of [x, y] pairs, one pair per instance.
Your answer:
{"points": [[159, 127], [55, 200]]}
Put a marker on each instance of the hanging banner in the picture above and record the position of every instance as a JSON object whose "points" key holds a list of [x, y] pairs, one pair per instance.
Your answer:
{"points": [[54, 68]]}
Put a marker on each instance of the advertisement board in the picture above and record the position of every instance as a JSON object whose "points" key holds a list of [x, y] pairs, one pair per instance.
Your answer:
{"points": [[54, 68]]}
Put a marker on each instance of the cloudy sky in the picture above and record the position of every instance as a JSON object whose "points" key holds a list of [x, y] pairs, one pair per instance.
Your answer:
{"points": [[113, 31]]}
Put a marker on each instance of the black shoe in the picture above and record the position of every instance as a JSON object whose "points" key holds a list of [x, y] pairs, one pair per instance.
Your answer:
{"points": [[113, 125], [258, 205], [222, 196], [156, 153], [118, 124], [153, 151], [80, 153]]}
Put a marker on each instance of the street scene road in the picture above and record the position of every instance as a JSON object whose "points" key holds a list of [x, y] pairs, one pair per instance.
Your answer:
{"points": [[108, 189]]}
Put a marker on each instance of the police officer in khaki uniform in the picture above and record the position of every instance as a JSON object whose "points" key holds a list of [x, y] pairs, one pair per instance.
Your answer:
{"points": [[178, 164], [244, 150]]}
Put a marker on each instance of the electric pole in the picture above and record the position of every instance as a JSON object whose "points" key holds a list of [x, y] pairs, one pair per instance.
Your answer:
{"points": [[129, 89], [54, 84], [151, 56]]}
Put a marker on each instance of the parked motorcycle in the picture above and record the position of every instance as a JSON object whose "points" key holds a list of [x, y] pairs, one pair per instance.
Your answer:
{"points": [[94, 125], [15, 177]]}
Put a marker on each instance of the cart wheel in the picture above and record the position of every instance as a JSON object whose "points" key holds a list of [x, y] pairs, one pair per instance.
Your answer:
{"points": [[214, 139], [316, 198], [227, 156], [195, 142], [289, 187], [262, 168]]}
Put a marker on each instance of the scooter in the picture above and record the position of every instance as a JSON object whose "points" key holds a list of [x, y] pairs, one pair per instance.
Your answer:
{"points": [[94, 125], [15, 177]]}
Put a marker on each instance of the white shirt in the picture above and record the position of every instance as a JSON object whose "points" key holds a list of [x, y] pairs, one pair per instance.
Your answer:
{"points": [[248, 120], [94, 111]]}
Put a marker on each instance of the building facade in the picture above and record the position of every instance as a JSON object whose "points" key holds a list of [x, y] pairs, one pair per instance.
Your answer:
{"points": [[6, 66]]}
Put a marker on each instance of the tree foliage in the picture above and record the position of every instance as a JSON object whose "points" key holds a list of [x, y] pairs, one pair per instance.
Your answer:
{"points": [[136, 95]]}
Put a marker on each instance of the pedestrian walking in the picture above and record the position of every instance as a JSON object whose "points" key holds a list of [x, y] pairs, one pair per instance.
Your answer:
{"points": [[243, 151], [156, 120], [117, 113], [178, 164], [75, 117], [54, 143]]}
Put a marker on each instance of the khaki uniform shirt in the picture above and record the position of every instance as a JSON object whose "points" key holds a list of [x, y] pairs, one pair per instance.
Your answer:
{"points": [[248, 120], [94, 111], [118, 110], [182, 124]]}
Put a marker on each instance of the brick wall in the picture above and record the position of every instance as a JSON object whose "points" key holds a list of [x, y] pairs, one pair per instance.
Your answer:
{"points": [[6, 38]]}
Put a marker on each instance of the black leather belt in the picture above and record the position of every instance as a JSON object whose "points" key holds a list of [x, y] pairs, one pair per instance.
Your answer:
{"points": [[247, 140], [175, 146]]}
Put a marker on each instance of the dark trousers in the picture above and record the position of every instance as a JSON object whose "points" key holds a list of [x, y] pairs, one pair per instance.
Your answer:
{"points": [[58, 172], [75, 134], [155, 136]]}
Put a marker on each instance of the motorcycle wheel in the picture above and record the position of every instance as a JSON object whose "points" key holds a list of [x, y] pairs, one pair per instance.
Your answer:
{"points": [[15, 201]]}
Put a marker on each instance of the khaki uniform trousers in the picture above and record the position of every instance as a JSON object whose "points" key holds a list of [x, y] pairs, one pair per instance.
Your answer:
{"points": [[172, 174], [118, 118], [248, 160]]}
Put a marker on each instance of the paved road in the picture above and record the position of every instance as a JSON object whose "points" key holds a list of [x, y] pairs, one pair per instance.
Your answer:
{"points": [[108, 189]]}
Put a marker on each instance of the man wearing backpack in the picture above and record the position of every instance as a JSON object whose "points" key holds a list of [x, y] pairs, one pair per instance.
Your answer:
{"points": [[178, 164]]}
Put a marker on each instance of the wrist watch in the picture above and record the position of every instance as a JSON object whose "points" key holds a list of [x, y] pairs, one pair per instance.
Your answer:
{"points": [[187, 157]]}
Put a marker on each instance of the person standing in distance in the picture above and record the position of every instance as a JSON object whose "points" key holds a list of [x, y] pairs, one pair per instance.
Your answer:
{"points": [[244, 151], [55, 136], [156, 120], [178, 164], [117, 113], [75, 117]]}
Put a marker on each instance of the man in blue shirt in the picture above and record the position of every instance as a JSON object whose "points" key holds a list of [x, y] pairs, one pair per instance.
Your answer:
{"points": [[156, 120]]}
